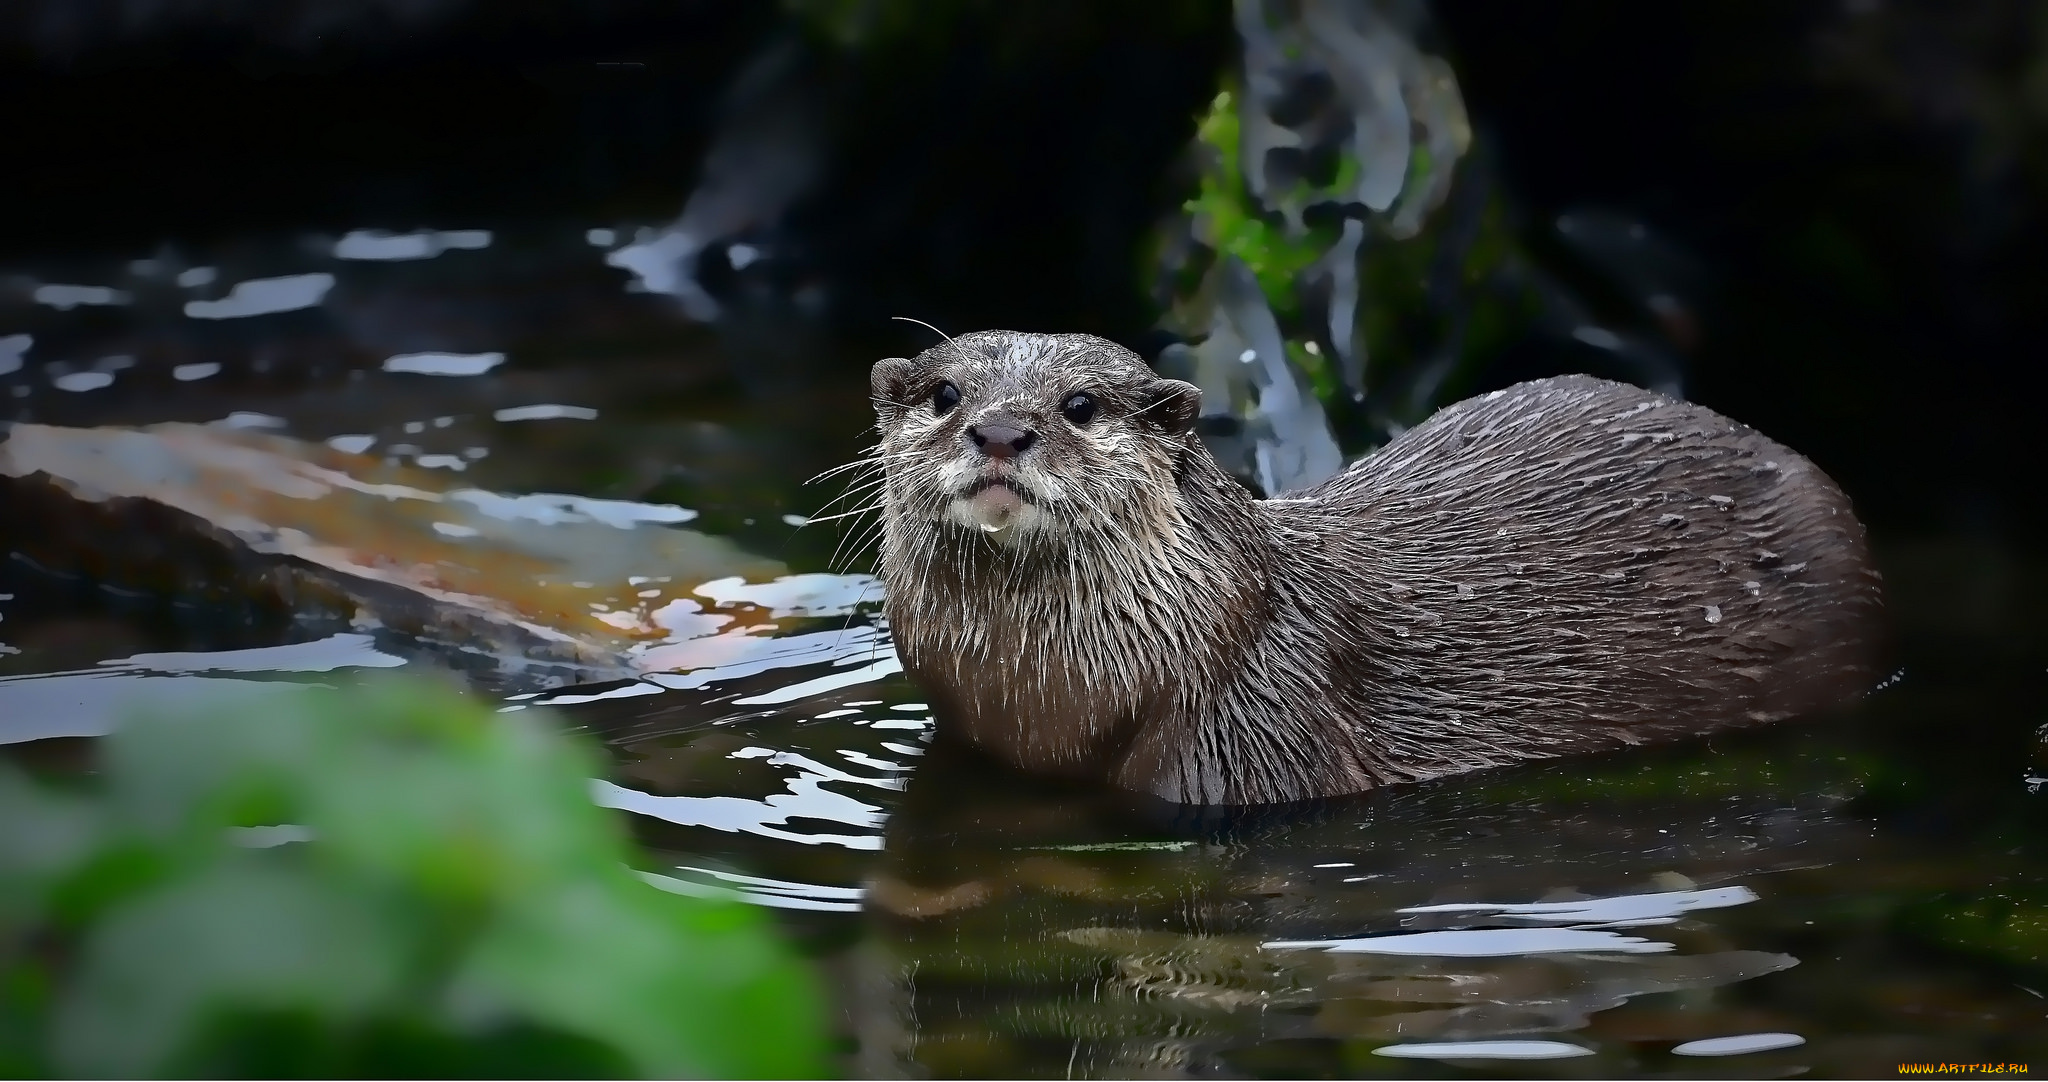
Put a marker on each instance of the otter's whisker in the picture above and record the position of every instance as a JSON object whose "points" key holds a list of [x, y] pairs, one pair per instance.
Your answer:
{"points": [[929, 327], [852, 611], [860, 537], [863, 488], [837, 470], [864, 497], [1142, 410], [1095, 509], [876, 462], [846, 514]]}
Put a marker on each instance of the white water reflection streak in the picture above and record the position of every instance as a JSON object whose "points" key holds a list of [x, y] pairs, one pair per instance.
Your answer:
{"points": [[758, 890], [265, 296], [1593, 921], [376, 244], [90, 702], [1740, 1045], [804, 798], [1455, 1050], [1484, 943], [1628, 910]]}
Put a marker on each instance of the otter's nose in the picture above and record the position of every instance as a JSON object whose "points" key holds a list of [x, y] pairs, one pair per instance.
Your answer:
{"points": [[1001, 440]]}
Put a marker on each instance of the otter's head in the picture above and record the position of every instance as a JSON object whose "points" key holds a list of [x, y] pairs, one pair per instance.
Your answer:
{"points": [[1029, 438]]}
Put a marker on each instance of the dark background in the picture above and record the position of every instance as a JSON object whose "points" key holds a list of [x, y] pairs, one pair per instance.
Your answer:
{"points": [[1863, 183]]}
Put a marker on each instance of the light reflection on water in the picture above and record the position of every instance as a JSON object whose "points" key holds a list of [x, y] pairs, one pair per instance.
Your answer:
{"points": [[1486, 943], [1457, 1050], [753, 889], [264, 296], [375, 244], [90, 702], [444, 364], [808, 797], [814, 794]]}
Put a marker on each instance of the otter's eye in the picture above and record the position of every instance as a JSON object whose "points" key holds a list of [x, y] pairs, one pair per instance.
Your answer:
{"points": [[1079, 408], [945, 398]]}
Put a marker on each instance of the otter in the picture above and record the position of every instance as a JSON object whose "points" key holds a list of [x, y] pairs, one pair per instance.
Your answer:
{"points": [[1566, 565]]}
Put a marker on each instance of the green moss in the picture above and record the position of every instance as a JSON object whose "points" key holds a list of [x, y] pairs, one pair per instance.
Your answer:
{"points": [[1323, 376], [1755, 769], [1225, 219], [1407, 315]]}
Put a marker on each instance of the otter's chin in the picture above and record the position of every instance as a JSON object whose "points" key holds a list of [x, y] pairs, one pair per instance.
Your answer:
{"points": [[996, 511]]}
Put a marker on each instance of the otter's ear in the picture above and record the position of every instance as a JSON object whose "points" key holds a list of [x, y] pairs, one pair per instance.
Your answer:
{"points": [[1174, 405], [886, 382]]}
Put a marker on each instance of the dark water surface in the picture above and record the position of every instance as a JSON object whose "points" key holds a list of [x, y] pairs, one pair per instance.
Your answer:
{"points": [[1824, 900]]}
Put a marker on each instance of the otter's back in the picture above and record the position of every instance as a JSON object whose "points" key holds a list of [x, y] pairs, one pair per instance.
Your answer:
{"points": [[1572, 563]]}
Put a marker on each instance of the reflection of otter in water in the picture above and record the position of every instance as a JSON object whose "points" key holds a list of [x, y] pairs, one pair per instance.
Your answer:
{"points": [[1565, 565]]}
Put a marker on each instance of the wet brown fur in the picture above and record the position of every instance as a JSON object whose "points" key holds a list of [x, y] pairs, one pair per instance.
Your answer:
{"points": [[1566, 565]]}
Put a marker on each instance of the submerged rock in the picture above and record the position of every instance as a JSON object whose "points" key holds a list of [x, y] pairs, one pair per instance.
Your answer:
{"points": [[566, 583]]}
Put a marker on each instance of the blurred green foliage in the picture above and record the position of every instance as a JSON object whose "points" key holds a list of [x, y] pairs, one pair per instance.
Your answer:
{"points": [[1226, 220], [386, 881]]}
